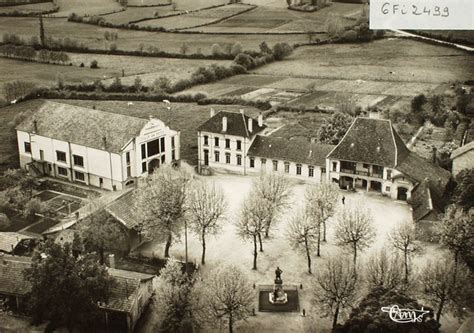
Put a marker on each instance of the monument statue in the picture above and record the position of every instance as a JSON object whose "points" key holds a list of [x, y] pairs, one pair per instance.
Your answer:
{"points": [[278, 296]]}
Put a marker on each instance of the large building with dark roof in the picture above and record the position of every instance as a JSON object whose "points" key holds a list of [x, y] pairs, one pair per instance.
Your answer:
{"points": [[92, 147], [224, 140], [372, 156]]}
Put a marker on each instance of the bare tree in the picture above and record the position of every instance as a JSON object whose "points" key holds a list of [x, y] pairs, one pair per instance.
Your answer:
{"points": [[206, 207], [355, 230], [251, 222], [383, 270], [303, 234], [402, 237], [160, 203], [335, 286], [444, 290], [456, 231], [275, 191], [322, 199], [225, 295]]}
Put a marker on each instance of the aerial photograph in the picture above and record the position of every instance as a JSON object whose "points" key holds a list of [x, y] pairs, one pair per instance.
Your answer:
{"points": [[261, 166]]}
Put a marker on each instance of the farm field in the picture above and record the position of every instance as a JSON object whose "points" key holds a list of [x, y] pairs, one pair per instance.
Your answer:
{"points": [[86, 7], [93, 36], [196, 18], [394, 60], [30, 8], [267, 19], [146, 2], [149, 68], [46, 74], [137, 13]]}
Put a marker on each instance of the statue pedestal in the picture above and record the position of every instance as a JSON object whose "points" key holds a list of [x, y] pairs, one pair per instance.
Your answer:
{"points": [[278, 296]]}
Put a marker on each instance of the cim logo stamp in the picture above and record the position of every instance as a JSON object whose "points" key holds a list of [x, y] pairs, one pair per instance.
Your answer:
{"points": [[404, 315]]}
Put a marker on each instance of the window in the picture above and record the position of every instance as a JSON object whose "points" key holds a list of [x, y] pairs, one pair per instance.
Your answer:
{"points": [[61, 156], [366, 166], [275, 165], [162, 142], [79, 176], [127, 157], [143, 151], [298, 169], [287, 167], [163, 159], [387, 189], [334, 166], [216, 142], [143, 167], [216, 156], [62, 171], [311, 171], [264, 162], [252, 162], [153, 148], [78, 160], [323, 170], [129, 171], [227, 143], [239, 159], [206, 140], [227, 158], [389, 174], [42, 155], [28, 147], [239, 145], [172, 142], [173, 155]]}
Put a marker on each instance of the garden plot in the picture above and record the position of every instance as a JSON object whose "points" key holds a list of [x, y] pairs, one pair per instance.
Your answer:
{"points": [[61, 203], [196, 18], [252, 80], [410, 89]]}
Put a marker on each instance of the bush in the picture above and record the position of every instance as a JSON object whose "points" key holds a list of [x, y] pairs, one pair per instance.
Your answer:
{"points": [[244, 60], [349, 36], [33, 207], [281, 50], [216, 50], [94, 64]]}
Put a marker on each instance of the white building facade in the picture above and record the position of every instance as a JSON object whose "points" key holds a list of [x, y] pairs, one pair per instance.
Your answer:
{"points": [[92, 147], [224, 141]]}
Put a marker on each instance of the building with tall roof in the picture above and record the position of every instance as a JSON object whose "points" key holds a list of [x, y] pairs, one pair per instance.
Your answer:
{"points": [[92, 147], [224, 140], [372, 156], [297, 158]]}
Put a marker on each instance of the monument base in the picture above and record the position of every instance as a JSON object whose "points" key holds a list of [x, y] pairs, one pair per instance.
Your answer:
{"points": [[282, 298]]}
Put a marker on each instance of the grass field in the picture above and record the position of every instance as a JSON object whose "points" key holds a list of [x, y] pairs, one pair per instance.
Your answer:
{"points": [[148, 68], [146, 2], [30, 8], [137, 13], [45, 74], [196, 18], [392, 60], [93, 36], [86, 7], [270, 19]]}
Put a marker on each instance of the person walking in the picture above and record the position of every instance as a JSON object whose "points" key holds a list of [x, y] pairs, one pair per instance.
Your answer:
{"points": [[343, 200]]}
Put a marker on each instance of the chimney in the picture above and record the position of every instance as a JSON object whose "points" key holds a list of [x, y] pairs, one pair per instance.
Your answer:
{"points": [[434, 158], [260, 120], [112, 260], [224, 124], [213, 113], [250, 126], [35, 126], [104, 142], [242, 111]]}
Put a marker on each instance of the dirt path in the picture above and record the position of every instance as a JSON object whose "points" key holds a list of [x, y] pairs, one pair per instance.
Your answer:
{"points": [[459, 46]]}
